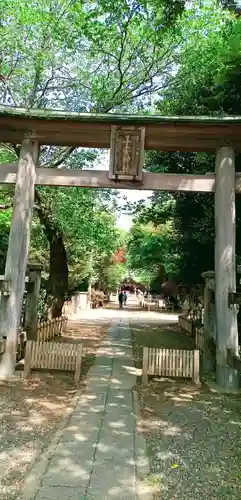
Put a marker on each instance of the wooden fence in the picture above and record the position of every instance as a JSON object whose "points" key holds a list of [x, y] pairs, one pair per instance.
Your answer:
{"points": [[170, 363], [49, 329], [234, 361], [53, 356], [156, 305], [149, 305], [199, 338], [197, 332], [186, 324]]}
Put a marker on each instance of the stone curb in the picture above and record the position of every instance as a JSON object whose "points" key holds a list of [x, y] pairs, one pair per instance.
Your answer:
{"points": [[39, 464], [143, 488], [213, 387]]}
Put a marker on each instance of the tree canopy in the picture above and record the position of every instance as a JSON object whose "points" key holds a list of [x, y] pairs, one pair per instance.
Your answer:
{"points": [[81, 56], [206, 82], [144, 56]]}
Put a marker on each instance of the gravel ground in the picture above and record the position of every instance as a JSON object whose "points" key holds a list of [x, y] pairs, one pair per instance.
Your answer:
{"points": [[193, 437], [30, 410], [194, 441]]}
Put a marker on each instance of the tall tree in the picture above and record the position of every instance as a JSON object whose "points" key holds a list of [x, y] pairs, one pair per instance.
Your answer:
{"points": [[207, 82], [85, 57]]}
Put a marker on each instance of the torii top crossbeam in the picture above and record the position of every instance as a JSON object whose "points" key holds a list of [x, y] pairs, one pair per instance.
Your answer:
{"points": [[176, 133]]}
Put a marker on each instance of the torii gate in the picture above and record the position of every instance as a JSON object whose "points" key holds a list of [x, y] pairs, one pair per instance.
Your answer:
{"points": [[127, 137]]}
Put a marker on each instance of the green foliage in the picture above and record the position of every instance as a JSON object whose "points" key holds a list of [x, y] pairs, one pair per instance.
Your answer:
{"points": [[87, 220], [111, 275], [149, 248], [207, 81], [6, 156], [208, 56], [87, 56], [82, 56]]}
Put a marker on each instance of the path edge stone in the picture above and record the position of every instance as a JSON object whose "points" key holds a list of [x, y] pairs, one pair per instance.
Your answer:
{"points": [[38, 466], [144, 491]]}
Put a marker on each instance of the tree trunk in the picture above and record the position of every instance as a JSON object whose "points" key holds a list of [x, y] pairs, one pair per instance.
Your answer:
{"points": [[57, 284]]}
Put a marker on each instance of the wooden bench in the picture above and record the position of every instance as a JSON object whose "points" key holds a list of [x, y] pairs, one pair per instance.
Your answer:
{"points": [[53, 356], [170, 363]]}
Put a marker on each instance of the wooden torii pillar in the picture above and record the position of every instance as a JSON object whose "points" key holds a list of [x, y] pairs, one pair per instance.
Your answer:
{"points": [[18, 247], [225, 267]]}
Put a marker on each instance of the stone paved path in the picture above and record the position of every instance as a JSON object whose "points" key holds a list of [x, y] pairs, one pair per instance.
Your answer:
{"points": [[100, 455]]}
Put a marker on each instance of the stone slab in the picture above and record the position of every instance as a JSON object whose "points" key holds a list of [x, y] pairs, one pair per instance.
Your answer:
{"points": [[94, 407], [121, 395], [92, 414], [116, 481], [111, 494], [97, 384], [113, 451], [99, 370], [68, 472], [118, 419], [88, 400], [89, 435], [60, 493], [77, 452], [123, 408]]}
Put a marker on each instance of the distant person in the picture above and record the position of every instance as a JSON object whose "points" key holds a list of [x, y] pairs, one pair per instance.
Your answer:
{"points": [[121, 299], [125, 298]]}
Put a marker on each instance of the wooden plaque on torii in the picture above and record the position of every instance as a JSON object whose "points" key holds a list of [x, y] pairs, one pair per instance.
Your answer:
{"points": [[126, 152]]}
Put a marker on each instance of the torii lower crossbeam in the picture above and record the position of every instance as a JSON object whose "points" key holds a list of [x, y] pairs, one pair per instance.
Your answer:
{"points": [[100, 179]]}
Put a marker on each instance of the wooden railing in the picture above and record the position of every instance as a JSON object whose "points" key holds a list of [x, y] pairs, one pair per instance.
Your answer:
{"points": [[199, 338], [233, 360], [170, 363], [194, 330], [193, 325], [149, 305], [53, 356], [156, 305], [186, 324], [48, 330]]}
